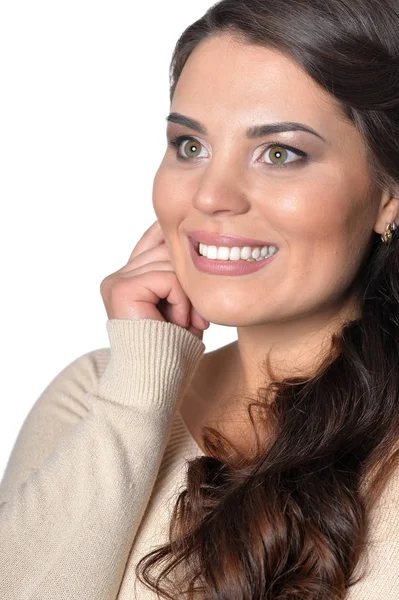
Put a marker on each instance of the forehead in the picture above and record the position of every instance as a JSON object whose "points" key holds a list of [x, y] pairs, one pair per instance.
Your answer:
{"points": [[227, 77]]}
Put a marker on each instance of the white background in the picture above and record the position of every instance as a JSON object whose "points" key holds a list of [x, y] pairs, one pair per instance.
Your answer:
{"points": [[84, 94]]}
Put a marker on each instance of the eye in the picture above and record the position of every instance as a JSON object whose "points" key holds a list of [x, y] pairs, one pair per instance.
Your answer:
{"points": [[190, 150], [280, 153]]}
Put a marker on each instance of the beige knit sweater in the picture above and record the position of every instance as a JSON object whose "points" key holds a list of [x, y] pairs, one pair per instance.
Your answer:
{"points": [[96, 468]]}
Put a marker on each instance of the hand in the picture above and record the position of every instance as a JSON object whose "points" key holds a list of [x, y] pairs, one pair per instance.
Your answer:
{"points": [[147, 287]]}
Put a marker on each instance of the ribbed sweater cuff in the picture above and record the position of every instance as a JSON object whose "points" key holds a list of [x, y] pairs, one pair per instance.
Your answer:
{"points": [[151, 363]]}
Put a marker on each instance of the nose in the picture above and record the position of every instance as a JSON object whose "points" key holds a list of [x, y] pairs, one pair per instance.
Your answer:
{"points": [[221, 186]]}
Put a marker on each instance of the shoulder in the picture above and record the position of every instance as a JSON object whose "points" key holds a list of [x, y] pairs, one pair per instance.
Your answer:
{"points": [[59, 408], [85, 370], [63, 402], [78, 377]]}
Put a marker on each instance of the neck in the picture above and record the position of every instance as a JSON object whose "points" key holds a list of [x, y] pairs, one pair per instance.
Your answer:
{"points": [[292, 348]]}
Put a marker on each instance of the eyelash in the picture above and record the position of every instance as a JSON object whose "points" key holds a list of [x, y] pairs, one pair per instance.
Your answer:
{"points": [[176, 142]]}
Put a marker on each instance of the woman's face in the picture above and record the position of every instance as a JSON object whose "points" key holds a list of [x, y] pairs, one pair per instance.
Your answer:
{"points": [[319, 212]]}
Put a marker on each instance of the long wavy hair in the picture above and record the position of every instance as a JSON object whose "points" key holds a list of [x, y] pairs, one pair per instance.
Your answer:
{"points": [[292, 519]]}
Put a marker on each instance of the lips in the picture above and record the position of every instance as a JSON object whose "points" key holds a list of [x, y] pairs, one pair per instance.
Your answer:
{"points": [[213, 239]]}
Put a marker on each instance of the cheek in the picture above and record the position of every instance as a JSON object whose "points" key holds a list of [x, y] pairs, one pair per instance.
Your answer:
{"points": [[325, 226], [167, 196], [161, 195], [333, 208]]}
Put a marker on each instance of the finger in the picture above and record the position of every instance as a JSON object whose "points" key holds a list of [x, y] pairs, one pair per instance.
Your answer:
{"points": [[176, 305], [159, 253], [150, 238], [173, 313], [198, 321], [158, 265], [164, 265], [181, 313], [198, 332]]}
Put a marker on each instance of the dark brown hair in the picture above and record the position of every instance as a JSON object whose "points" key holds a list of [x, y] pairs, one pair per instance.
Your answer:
{"points": [[292, 521]]}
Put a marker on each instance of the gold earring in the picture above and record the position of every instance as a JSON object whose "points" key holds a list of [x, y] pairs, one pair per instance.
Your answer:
{"points": [[387, 236]]}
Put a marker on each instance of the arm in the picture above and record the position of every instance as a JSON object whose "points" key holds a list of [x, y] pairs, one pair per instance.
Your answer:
{"points": [[381, 574], [67, 527], [380, 564]]}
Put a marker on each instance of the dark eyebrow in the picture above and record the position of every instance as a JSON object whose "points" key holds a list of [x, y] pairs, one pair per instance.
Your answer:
{"points": [[251, 133]]}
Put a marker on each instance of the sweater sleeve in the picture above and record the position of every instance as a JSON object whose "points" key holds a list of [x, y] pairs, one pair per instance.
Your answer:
{"points": [[379, 564], [67, 524]]}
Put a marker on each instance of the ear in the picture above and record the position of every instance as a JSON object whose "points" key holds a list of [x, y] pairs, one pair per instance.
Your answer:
{"points": [[388, 211]]}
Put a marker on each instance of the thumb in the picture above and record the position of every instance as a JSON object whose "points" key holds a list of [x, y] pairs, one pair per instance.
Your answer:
{"points": [[197, 332]]}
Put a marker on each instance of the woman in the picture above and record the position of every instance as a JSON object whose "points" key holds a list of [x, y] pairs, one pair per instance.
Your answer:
{"points": [[284, 128]]}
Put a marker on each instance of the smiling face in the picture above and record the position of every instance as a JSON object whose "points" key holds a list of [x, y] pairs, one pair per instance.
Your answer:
{"points": [[312, 200]]}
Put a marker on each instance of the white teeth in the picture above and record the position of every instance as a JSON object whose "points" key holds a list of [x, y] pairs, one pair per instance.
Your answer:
{"points": [[246, 253]]}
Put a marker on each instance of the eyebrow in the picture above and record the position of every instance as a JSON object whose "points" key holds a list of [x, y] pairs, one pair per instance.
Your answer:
{"points": [[251, 133]]}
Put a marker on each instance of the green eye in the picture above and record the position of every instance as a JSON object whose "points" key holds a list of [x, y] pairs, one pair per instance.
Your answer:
{"points": [[278, 152], [191, 149], [281, 153]]}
